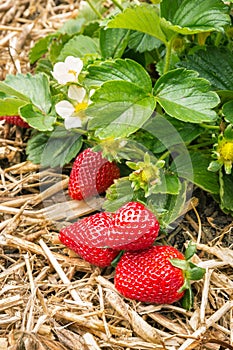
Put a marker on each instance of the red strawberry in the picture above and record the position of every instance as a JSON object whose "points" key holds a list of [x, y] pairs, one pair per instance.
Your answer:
{"points": [[134, 227], [91, 174], [85, 237], [149, 276], [16, 120]]}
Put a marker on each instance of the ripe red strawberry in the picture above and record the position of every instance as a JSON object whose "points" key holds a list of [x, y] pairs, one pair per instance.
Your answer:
{"points": [[85, 237], [149, 276], [91, 174], [134, 227], [15, 120]]}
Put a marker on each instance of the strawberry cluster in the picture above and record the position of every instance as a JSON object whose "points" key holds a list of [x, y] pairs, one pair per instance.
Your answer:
{"points": [[131, 228], [145, 272]]}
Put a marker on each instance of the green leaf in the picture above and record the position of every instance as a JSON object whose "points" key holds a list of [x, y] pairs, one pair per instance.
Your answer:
{"points": [[118, 194], [170, 184], [56, 45], [225, 95], [36, 119], [35, 147], [174, 207], [91, 29], [186, 97], [54, 149], [61, 148], [226, 185], [10, 106], [194, 16], [10, 91], [190, 250], [214, 64], [141, 42], [78, 46], [199, 175], [72, 26], [143, 18], [40, 48], [126, 70], [168, 133], [113, 42], [119, 109], [45, 66], [36, 88], [228, 111]]}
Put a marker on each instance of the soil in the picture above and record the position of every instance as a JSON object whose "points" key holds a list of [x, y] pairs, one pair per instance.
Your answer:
{"points": [[53, 299]]}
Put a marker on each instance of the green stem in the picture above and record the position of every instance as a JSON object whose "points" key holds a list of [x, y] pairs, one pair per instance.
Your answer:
{"points": [[203, 144], [94, 9], [168, 55], [78, 131], [207, 126], [218, 39], [164, 155], [116, 3]]}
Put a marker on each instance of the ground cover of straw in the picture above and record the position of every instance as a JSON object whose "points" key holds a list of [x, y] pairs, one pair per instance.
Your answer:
{"points": [[52, 299]]}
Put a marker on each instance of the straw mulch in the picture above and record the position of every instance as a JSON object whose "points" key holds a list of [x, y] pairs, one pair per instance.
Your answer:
{"points": [[52, 299]]}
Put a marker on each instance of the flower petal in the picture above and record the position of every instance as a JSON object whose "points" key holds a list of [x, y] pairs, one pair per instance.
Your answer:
{"points": [[76, 93], [74, 64], [59, 70], [67, 71], [72, 122], [64, 108]]}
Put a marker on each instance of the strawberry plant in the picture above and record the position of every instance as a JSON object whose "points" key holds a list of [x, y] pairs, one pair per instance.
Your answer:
{"points": [[149, 85]]}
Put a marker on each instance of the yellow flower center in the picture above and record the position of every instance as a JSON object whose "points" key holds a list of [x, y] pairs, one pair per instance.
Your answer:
{"points": [[81, 106], [226, 151], [71, 71]]}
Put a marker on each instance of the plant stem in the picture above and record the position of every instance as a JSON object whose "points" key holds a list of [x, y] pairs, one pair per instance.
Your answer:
{"points": [[168, 55], [164, 155], [203, 144], [207, 126], [117, 4], [94, 9], [218, 39], [76, 130]]}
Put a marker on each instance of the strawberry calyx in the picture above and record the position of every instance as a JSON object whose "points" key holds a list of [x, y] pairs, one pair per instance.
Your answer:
{"points": [[146, 174], [117, 259], [191, 272]]}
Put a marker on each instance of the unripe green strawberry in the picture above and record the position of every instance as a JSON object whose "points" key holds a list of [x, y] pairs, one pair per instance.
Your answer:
{"points": [[15, 120], [91, 174], [150, 275]]}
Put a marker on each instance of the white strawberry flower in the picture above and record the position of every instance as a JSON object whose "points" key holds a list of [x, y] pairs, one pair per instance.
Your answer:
{"points": [[67, 71], [73, 113]]}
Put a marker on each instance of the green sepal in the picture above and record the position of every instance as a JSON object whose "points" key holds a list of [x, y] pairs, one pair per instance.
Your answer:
{"points": [[187, 300], [191, 272], [215, 166], [117, 259], [190, 251], [195, 273], [181, 264]]}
